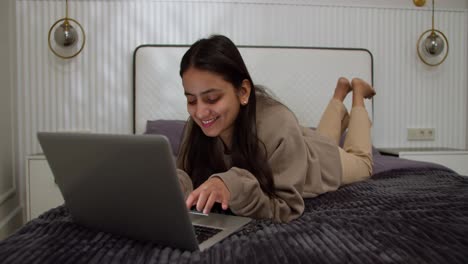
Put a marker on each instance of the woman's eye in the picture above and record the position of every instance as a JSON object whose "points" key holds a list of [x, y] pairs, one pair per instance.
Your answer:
{"points": [[191, 102], [212, 100]]}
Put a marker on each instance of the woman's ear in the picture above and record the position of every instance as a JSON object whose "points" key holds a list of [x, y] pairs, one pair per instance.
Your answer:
{"points": [[244, 92]]}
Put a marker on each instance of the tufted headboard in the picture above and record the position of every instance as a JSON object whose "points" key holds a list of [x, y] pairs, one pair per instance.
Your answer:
{"points": [[303, 78]]}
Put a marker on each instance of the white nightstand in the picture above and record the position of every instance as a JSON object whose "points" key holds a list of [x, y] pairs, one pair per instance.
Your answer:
{"points": [[42, 193], [455, 159]]}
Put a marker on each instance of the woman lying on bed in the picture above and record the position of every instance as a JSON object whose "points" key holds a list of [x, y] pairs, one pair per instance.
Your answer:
{"points": [[247, 151]]}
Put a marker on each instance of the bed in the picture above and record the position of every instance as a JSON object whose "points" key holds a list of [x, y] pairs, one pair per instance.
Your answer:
{"points": [[407, 212]]}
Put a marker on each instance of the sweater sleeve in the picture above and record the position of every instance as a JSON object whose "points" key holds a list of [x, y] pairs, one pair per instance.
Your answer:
{"points": [[287, 157], [184, 178], [185, 181]]}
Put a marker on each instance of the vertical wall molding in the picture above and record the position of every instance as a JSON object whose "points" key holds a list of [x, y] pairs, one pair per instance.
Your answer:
{"points": [[11, 222], [7, 195], [8, 178], [93, 91], [466, 73]]}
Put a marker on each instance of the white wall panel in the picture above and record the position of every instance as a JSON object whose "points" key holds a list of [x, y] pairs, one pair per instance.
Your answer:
{"points": [[8, 190], [93, 91]]}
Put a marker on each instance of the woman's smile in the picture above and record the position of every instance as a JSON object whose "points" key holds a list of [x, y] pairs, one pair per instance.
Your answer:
{"points": [[208, 123]]}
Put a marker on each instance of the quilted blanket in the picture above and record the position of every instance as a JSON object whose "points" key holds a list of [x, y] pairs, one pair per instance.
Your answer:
{"points": [[399, 216]]}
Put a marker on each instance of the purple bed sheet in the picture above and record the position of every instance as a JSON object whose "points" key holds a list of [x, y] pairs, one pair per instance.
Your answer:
{"points": [[383, 163]]}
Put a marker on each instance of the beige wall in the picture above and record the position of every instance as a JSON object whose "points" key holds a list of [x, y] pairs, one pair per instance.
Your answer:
{"points": [[10, 209]]}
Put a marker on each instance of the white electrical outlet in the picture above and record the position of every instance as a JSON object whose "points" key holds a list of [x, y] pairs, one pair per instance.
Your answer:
{"points": [[421, 133]]}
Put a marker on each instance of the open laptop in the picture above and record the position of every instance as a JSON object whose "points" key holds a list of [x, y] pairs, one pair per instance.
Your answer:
{"points": [[127, 185]]}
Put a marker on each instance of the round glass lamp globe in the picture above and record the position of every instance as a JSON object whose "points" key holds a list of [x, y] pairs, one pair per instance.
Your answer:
{"points": [[434, 44], [65, 35]]}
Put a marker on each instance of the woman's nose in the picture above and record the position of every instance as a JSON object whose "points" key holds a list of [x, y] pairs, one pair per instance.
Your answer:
{"points": [[202, 111]]}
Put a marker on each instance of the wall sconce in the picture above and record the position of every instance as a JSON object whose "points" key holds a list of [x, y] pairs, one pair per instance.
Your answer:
{"points": [[66, 42], [419, 2], [432, 46]]}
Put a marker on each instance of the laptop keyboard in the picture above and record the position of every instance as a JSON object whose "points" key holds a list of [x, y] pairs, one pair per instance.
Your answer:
{"points": [[203, 233]]}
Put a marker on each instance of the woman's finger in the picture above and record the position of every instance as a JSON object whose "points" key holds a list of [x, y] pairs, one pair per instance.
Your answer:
{"points": [[225, 202], [211, 200], [192, 199], [202, 198]]}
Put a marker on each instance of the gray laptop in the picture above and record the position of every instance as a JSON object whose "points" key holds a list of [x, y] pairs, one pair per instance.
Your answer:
{"points": [[127, 185]]}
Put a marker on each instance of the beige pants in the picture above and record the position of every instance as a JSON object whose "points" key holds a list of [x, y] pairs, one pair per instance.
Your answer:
{"points": [[356, 154]]}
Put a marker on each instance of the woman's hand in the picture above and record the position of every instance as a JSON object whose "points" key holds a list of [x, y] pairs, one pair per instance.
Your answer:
{"points": [[211, 191]]}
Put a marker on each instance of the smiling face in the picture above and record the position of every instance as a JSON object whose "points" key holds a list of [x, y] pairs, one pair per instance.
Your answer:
{"points": [[213, 103]]}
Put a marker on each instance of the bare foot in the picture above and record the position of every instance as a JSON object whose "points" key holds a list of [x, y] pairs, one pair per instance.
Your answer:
{"points": [[360, 87], [343, 87]]}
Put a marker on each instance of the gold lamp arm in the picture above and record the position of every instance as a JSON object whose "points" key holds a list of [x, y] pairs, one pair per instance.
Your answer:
{"points": [[433, 8]]}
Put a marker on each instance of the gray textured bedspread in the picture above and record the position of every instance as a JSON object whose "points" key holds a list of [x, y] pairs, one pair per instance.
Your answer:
{"points": [[399, 216]]}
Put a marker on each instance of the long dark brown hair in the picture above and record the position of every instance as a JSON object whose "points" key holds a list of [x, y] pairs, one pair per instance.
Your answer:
{"points": [[200, 156]]}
